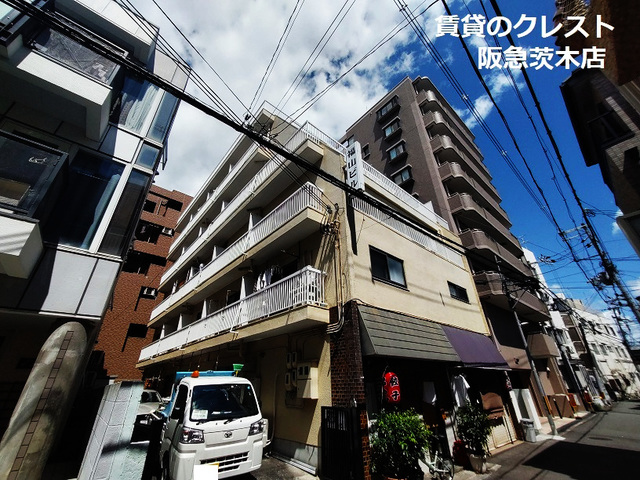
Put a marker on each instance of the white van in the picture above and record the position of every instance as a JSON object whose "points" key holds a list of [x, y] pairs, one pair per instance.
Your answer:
{"points": [[213, 419]]}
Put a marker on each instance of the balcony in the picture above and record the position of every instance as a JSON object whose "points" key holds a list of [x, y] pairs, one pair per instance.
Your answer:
{"points": [[302, 289], [296, 142], [542, 345], [528, 306], [30, 179], [447, 151], [436, 123], [464, 206], [409, 202], [425, 97], [294, 219], [487, 247], [459, 180]]}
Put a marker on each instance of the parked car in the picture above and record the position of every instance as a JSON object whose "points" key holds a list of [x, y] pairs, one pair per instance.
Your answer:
{"points": [[151, 404]]}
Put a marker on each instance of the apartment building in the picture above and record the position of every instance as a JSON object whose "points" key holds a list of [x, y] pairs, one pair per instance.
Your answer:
{"points": [[318, 294], [124, 330], [414, 137], [604, 104], [607, 369], [80, 142]]}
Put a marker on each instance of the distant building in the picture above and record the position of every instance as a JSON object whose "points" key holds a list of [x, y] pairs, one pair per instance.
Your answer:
{"points": [[80, 141], [604, 105], [124, 331], [415, 138], [607, 370], [319, 295]]}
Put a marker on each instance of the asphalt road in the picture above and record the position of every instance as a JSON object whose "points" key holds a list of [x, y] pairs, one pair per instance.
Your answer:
{"points": [[602, 446]]}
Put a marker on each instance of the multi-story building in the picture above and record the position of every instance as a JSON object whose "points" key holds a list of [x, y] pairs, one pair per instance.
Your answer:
{"points": [[124, 330], [318, 294], [415, 138], [80, 140], [607, 369], [604, 104]]}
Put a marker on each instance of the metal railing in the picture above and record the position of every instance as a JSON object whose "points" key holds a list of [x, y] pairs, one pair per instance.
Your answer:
{"points": [[308, 196], [417, 236], [391, 187], [305, 287]]}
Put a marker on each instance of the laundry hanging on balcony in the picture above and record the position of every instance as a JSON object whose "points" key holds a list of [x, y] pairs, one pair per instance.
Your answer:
{"points": [[267, 277]]}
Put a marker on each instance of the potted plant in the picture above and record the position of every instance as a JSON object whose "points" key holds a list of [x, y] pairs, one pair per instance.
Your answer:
{"points": [[474, 427], [398, 441]]}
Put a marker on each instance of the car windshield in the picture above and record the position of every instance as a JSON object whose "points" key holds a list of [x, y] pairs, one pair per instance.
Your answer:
{"points": [[149, 396], [219, 402]]}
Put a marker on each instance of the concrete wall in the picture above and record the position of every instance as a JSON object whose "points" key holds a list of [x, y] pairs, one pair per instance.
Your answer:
{"points": [[109, 455]]}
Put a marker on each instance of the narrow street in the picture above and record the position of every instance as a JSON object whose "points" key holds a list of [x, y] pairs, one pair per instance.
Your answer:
{"points": [[601, 446]]}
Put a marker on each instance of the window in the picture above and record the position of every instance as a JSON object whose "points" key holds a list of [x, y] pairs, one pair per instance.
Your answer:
{"points": [[458, 292], [134, 104], [402, 176], [78, 213], [594, 347], [120, 229], [162, 120], [387, 108], [139, 262], [149, 206], [138, 330], [397, 151], [27, 172], [148, 156], [148, 232], [386, 267], [74, 55], [365, 151], [392, 128], [349, 141]]}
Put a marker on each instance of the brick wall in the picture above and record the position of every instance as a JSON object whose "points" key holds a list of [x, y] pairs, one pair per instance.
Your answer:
{"points": [[121, 352], [347, 376]]}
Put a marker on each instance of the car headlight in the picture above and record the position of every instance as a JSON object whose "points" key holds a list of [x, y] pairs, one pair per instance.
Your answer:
{"points": [[191, 435], [256, 427]]}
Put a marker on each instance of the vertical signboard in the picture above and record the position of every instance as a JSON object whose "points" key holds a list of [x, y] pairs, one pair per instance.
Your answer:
{"points": [[355, 169]]}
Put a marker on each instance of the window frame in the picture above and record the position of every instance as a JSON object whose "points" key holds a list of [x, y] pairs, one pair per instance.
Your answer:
{"points": [[406, 168], [394, 123], [399, 155], [458, 292], [387, 280], [387, 108]]}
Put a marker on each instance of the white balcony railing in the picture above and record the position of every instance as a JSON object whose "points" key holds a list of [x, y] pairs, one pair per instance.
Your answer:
{"points": [[390, 186], [305, 287], [308, 196], [411, 233]]}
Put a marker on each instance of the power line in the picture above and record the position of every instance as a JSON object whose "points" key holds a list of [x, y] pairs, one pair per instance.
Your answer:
{"points": [[277, 51]]}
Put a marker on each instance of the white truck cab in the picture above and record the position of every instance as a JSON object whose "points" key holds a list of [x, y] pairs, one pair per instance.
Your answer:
{"points": [[213, 418]]}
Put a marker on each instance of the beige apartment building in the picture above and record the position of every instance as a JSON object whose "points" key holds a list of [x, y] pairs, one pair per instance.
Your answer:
{"points": [[318, 294]]}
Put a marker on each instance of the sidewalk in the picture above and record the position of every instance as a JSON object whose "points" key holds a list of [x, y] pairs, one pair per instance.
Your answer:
{"points": [[562, 424]]}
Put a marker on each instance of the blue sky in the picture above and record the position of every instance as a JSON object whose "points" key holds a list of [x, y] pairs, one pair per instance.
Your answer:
{"points": [[238, 39]]}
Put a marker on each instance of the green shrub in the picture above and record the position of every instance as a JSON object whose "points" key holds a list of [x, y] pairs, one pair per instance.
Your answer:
{"points": [[474, 427], [398, 441]]}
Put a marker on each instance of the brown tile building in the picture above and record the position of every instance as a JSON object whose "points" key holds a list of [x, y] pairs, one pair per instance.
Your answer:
{"points": [[604, 105], [124, 331]]}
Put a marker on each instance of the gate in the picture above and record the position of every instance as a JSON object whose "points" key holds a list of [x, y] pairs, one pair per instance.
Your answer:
{"points": [[341, 444]]}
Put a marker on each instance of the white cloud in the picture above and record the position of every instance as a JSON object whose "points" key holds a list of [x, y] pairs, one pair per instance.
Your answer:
{"points": [[239, 37], [615, 228]]}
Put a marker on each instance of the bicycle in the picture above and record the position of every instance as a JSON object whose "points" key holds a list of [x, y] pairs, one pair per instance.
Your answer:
{"points": [[439, 467]]}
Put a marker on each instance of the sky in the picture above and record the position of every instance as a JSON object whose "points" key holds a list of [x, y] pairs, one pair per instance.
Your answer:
{"points": [[235, 43]]}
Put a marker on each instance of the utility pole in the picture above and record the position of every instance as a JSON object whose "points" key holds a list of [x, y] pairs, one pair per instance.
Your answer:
{"points": [[512, 305]]}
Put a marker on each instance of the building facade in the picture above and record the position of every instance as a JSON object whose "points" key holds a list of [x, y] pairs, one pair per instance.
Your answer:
{"points": [[318, 294], [607, 369], [80, 142], [414, 137], [124, 330], [604, 104]]}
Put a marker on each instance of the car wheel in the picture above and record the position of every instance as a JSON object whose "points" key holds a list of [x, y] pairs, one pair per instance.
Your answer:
{"points": [[164, 473]]}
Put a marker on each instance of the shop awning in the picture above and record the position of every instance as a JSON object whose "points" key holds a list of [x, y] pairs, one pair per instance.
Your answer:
{"points": [[475, 349], [389, 333]]}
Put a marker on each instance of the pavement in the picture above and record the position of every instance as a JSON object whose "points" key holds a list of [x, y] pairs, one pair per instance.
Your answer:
{"points": [[276, 469]]}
